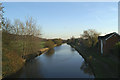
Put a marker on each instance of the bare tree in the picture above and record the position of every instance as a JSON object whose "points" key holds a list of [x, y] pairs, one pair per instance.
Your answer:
{"points": [[25, 33], [1, 16], [90, 37]]}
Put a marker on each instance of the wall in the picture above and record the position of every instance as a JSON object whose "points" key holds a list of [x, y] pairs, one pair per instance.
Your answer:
{"points": [[109, 43]]}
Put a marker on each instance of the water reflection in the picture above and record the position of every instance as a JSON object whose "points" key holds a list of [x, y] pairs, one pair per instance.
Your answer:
{"points": [[57, 48], [60, 62], [50, 52], [86, 68], [31, 69], [72, 49]]}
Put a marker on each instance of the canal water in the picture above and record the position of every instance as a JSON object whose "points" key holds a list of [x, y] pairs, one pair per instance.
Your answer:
{"points": [[60, 62]]}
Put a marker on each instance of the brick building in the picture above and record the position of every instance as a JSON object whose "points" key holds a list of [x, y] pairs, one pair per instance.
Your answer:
{"points": [[107, 42]]}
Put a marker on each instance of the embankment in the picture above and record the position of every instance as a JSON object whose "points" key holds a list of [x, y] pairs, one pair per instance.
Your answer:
{"points": [[84, 56], [102, 66], [33, 55], [25, 59]]}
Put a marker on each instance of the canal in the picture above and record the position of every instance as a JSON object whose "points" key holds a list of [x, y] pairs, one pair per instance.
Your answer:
{"points": [[61, 62]]}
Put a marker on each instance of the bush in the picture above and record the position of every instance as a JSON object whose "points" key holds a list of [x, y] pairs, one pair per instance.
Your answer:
{"points": [[17, 42], [58, 42], [11, 62], [90, 37], [117, 48], [49, 44], [90, 58]]}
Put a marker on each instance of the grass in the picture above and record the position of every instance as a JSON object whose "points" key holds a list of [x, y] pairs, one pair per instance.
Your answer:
{"points": [[11, 62], [42, 44], [103, 66], [12, 52]]}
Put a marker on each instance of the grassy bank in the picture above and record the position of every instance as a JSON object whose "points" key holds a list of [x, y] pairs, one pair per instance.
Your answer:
{"points": [[43, 49], [102, 66], [16, 49], [33, 55], [21, 49], [12, 61]]}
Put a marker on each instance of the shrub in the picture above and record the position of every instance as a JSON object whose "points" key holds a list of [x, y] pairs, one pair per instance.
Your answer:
{"points": [[117, 48], [49, 44], [17, 42], [90, 58], [11, 62], [90, 37], [58, 42]]}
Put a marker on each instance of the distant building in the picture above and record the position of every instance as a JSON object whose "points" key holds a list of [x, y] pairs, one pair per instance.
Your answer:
{"points": [[107, 42]]}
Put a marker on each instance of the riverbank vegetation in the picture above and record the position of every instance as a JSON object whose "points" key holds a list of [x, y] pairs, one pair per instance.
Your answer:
{"points": [[18, 40], [116, 49], [51, 43], [58, 41], [87, 46], [21, 42]]}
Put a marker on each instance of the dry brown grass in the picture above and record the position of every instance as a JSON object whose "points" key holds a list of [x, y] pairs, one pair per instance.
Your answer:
{"points": [[12, 63]]}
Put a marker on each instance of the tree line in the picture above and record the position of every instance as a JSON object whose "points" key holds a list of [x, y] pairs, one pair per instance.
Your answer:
{"points": [[19, 39], [89, 40], [50, 43]]}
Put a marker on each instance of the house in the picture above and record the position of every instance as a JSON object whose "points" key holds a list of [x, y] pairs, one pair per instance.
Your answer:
{"points": [[107, 42]]}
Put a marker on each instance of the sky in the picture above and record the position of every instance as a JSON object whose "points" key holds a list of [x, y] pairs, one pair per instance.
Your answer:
{"points": [[66, 19], [60, 0]]}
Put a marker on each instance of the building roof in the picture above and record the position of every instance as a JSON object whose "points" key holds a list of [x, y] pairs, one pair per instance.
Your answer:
{"points": [[108, 35]]}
